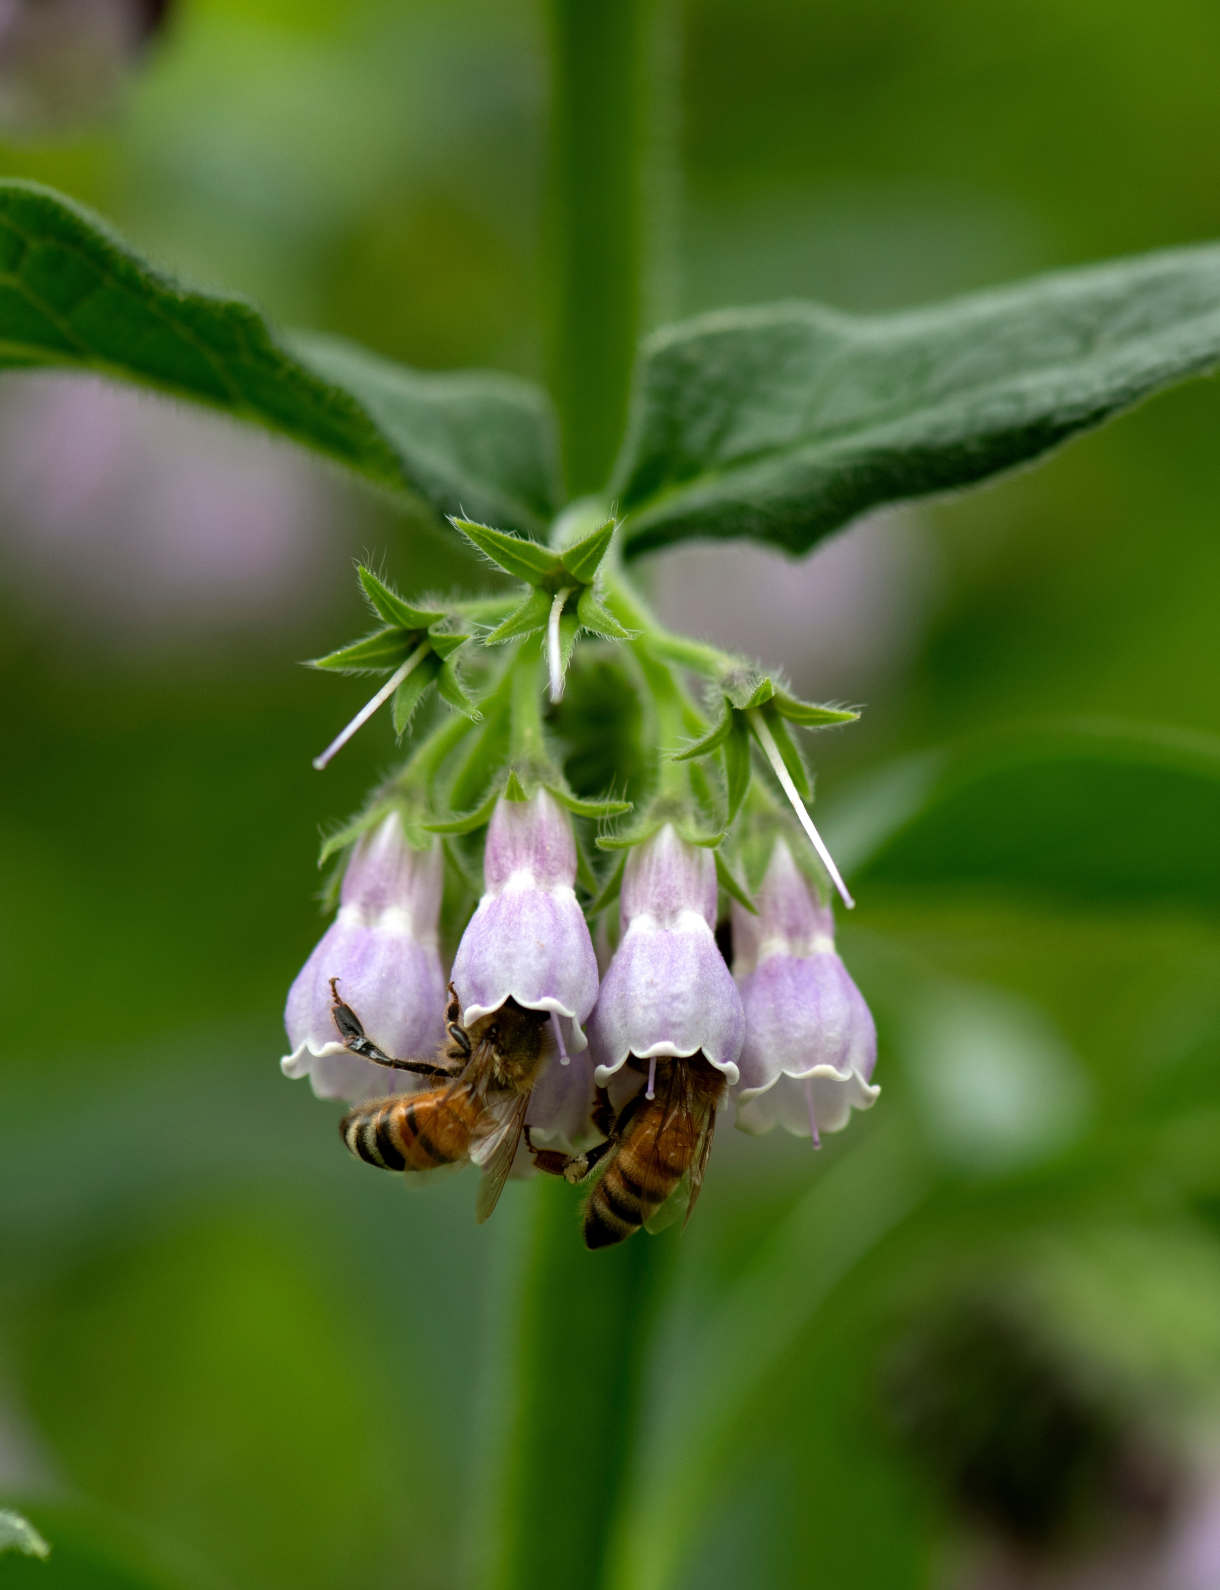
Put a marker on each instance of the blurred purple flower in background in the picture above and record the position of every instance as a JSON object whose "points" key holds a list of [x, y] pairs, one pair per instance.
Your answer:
{"points": [[148, 521], [852, 613], [64, 61]]}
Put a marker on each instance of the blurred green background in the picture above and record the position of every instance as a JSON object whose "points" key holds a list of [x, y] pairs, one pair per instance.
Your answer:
{"points": [[229, 1356]]}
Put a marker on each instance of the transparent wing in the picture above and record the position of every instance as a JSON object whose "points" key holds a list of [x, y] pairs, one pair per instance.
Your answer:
{"points": [[699, 1163], [496, 1152], [672, 1209], [682, 1109]]}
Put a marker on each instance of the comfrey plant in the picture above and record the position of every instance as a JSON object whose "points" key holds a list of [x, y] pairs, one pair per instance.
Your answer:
{"points": [[592, 755], [707, 743]]}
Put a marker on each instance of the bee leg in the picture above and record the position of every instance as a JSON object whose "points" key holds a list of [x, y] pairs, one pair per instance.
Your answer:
{"points": [[551, 1161], [604, 1119], [351, 1030], [459, 1038], [576, 1168]]}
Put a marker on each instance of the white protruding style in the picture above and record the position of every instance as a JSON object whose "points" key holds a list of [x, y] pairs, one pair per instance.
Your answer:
{"points": [[554, 651], [369, 707], [772, 752]]}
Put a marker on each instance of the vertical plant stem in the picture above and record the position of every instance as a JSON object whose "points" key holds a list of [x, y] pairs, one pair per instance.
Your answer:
{"points": [[606, 119], [577, 1351], [577, 1325]]}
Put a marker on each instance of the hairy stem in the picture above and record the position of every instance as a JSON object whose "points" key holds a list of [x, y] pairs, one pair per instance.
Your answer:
{"points": [[601, 232]]}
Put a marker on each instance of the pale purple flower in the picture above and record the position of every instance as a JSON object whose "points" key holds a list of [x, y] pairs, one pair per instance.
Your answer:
{"points": [[667, 992], [528, 940], [810, 1043], [561, 1105], [383, 948]]}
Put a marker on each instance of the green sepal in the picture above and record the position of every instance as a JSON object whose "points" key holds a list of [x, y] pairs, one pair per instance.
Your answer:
{"points": [[450, 689], [352, 831], [689, 830], [701, 788], [747, 687], [514, 789], [610, 889], [488, 748], [527, 619], [715, 737], [445, 642], [809, 714], [381, 652], [569, 628], [457, 866], [334, 844], [467, 822], [411, 692], [789, 751], [594, 615], [583, 558], [523, 559], [737, 764], [629, 838], [585, 876], [389, 605], [732, 885], [580, 807], [705, 838]]}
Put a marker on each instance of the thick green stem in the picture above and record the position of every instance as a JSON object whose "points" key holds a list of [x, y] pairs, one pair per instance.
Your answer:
{"points": [[578, 1345], [578, 1324], [603, 133]]}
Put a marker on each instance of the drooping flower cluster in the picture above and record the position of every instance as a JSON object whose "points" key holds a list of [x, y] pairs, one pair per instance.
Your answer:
{"points": [[536, 1059]]}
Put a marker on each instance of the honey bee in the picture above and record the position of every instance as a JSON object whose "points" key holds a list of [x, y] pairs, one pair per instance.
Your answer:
{"points": [[489, 1069], [655, 1149]]}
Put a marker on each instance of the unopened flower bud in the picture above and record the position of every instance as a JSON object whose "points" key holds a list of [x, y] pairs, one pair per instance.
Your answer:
{"points": [[667, 992], [810, 1044], [528, 940], [382, 948]]}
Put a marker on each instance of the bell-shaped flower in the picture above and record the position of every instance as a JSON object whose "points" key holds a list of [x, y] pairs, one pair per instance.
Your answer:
{"points": [[810, 1042], [561, 1106], [382, 947], [528, 939], [667, 992]]}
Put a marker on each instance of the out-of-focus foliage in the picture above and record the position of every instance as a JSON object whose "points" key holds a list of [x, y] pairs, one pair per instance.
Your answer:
{"points": [[227, 1355]]}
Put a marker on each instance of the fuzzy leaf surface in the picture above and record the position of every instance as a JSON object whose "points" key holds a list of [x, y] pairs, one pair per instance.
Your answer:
{"points": [[72, 295], [780, 423]]}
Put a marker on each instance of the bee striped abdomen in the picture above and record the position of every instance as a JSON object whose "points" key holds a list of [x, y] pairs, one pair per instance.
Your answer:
{"points": [[420, 1132], [640, 1176]]}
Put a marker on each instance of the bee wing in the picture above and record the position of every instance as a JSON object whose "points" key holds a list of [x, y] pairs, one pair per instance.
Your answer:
{"points": [[681, 1106], [496, 1151], [699, 1163], [672, 1209]]}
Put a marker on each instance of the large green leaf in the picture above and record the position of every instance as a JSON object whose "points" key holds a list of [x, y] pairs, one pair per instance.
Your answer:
{"points": [[1104, 814], [780, 423], [72, 295]]}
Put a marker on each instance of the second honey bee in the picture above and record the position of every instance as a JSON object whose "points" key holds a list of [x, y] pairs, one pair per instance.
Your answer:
{"points": [[478, 1113], [654, 1152]]}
